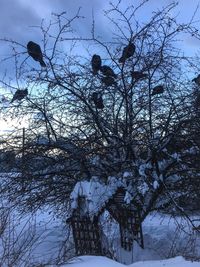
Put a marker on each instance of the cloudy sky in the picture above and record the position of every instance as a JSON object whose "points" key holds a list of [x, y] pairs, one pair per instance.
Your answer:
{"points": [[19, 16]]}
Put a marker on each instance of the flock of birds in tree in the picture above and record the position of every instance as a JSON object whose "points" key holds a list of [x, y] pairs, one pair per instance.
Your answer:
{"points": [[108, 75], [35, 52]]}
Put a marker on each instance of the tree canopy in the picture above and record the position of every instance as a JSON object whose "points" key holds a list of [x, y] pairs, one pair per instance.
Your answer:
{"points": [[132, 109]]}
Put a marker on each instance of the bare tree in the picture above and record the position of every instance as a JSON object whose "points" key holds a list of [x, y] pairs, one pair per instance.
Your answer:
{"points": [[132, 112]]}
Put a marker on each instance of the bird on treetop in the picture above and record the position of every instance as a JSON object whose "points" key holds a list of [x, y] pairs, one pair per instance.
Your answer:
{"points": [[137, 75], [35, 52], [197, 80], [159, 89], [96, 63], [19, 95], [107, 71], [128, 52]]}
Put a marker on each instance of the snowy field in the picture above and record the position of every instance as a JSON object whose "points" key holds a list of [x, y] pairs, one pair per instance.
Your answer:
{"points": [[42, 240], [90, 261]]}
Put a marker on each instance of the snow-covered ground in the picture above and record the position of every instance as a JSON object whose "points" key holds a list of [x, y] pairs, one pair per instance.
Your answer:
{"points": [[164, 237], [34, 239], [92, 261], [43, 239], [171, 236]]}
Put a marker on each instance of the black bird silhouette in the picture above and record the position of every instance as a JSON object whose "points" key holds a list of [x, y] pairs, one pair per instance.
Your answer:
{"points": [[137, 75], [97, 99], [159, 89], [19, 95], [96, 64], [197, 80], [108, 80], [128, 52], [107, 71], [35, 52]]}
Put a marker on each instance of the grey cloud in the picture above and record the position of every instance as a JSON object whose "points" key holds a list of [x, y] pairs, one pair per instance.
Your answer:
{"points": [[17, 16], [15, 19]]}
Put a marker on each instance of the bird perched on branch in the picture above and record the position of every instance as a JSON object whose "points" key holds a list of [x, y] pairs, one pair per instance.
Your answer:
{"points": [[98, 100], [128, 52], [96, 64], [19, 95], [159, 89], [107, 71], [137, 75], [197, 80], [108, 80], [35, 52]]}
